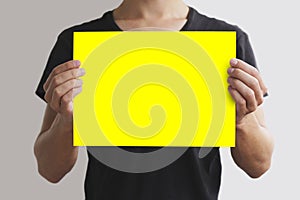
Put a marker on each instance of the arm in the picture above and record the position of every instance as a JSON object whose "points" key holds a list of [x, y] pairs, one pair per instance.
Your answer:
{"points": [[53, 147], [254, 144]]}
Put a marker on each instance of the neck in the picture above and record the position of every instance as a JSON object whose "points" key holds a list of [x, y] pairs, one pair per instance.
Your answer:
{"points": [[151, 9]]}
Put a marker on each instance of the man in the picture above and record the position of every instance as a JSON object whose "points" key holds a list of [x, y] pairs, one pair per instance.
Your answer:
{"points": [[189, 177]]}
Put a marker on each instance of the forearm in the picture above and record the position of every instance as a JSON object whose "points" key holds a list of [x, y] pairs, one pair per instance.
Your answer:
{"points": [[54, 150], [254, 146]]}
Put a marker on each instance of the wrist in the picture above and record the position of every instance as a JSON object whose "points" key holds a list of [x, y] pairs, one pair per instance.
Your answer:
{"points": [[247, 123], [63, 124]]}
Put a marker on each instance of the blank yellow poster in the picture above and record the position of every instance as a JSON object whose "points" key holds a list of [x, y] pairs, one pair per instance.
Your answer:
{"points": [[154, 88]]}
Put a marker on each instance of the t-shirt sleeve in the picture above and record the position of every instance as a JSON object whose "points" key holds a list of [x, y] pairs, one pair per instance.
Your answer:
{"points": [[244, 50], [61, 52]]}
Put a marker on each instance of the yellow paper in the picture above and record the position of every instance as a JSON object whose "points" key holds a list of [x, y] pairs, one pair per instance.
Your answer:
{"points": [[154, 88]]}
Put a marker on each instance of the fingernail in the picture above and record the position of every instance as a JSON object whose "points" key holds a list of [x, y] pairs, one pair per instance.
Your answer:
{"points": [[76, 63], [81, 71], [230, 70], [228, 79], [233, 62]]}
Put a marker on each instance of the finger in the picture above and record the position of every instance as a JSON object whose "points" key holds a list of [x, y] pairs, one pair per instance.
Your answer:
{"points": [[76, 91], [66, 101], [237, 63], [62, 78], [55, 85], [61, 90], [66, 76], [59, 69], [249, 80], [246, 93], [240, 103]]}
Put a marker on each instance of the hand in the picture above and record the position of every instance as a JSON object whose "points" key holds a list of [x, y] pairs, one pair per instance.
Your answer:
{"points": [[246, 87], [62, 86]]}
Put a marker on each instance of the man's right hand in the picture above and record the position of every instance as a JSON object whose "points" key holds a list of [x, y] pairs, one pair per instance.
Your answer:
{"points": [[62, 85]]}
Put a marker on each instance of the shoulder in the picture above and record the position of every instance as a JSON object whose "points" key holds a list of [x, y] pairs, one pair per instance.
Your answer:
{"points": [[206, 23], [244, 51], [102, 23]]}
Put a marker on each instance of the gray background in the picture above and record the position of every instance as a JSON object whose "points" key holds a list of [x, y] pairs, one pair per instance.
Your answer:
{"points": [[28, 32]]}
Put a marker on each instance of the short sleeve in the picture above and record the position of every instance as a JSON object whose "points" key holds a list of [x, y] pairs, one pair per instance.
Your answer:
{"points": [[61, 52], [244, 50]]}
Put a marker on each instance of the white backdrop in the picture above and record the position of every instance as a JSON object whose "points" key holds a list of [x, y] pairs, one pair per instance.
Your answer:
{"points": [[28, 32]]}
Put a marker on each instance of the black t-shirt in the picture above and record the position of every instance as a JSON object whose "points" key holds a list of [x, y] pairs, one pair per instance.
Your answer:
{"points": [[187, 178]]}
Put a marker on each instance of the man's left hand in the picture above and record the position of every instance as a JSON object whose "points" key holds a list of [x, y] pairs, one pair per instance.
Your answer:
{"points": [[246, 87]]}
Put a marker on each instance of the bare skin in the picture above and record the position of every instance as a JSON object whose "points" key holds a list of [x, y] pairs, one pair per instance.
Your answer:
{"points": [[162, 14], [53, 148], [254, 143]]}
